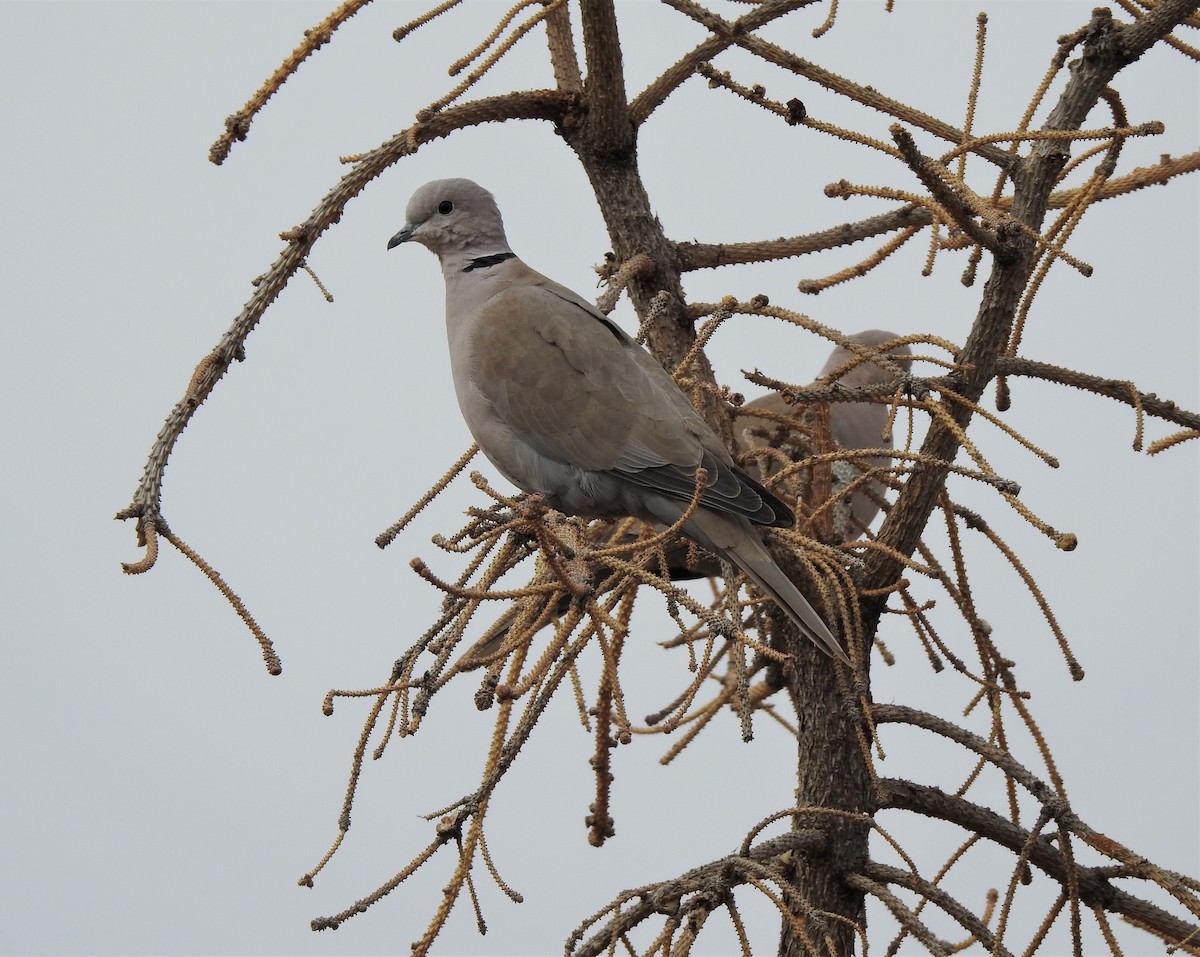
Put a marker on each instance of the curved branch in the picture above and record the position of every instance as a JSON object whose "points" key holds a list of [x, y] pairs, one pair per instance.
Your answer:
{"points": [[1095, 889], [901, 714], [904, 916], [538, 104], [886, 874]]}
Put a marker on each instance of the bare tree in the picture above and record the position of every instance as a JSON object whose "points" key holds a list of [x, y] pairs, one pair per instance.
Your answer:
{"points": [[743, 657]]}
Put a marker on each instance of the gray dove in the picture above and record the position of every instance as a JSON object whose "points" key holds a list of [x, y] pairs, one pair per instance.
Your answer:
{"points": [[566, 405], [855, 425]]}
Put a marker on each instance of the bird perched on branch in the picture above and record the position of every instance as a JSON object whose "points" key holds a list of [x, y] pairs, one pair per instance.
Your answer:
{"points": [[567, 406], [854, 426]]}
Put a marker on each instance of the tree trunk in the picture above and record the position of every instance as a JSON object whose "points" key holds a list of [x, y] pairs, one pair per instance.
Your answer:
{"points": [[831, 772]]}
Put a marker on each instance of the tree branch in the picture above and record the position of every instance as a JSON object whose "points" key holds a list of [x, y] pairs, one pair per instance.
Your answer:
{"points": [[237, 125], [562, 50], [940, 183], [886, 874], [865, 95], [904, 916], [608, 111], [692, 255], [1095, 889], [712, 882], [1117, 389], [1002, 759], [656, 93], [1106, 50], [543, 105]]}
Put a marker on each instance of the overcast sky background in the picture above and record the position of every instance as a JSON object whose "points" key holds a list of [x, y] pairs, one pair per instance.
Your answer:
{"points": [[162, 794]]}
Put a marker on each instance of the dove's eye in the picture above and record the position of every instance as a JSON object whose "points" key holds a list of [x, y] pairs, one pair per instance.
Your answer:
{"points": [[445, 206]]}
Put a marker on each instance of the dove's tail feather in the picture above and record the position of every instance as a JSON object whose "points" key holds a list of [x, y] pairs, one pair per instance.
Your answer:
{"points": [[737, 541], [752, 557]]}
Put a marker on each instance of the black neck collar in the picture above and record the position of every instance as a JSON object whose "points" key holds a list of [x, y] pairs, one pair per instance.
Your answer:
{"points": [[483, 262]]}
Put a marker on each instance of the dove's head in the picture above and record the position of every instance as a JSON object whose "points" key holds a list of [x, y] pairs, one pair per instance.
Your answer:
{"points": [[866, 372], [451, 217]]}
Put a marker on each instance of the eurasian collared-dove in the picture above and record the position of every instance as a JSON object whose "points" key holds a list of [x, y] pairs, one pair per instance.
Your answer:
{"points": [[854, 425], [566, 405]]}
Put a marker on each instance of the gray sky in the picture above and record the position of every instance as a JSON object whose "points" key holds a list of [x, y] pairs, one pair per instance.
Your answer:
{"points": [[162, 794]]}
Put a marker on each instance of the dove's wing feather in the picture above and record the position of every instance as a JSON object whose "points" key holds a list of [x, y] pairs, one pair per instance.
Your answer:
{"points": [[577, 391]]}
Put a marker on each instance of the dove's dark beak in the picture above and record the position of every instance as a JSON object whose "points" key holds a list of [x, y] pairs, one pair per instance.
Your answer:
{"points": [[403, 236]]}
